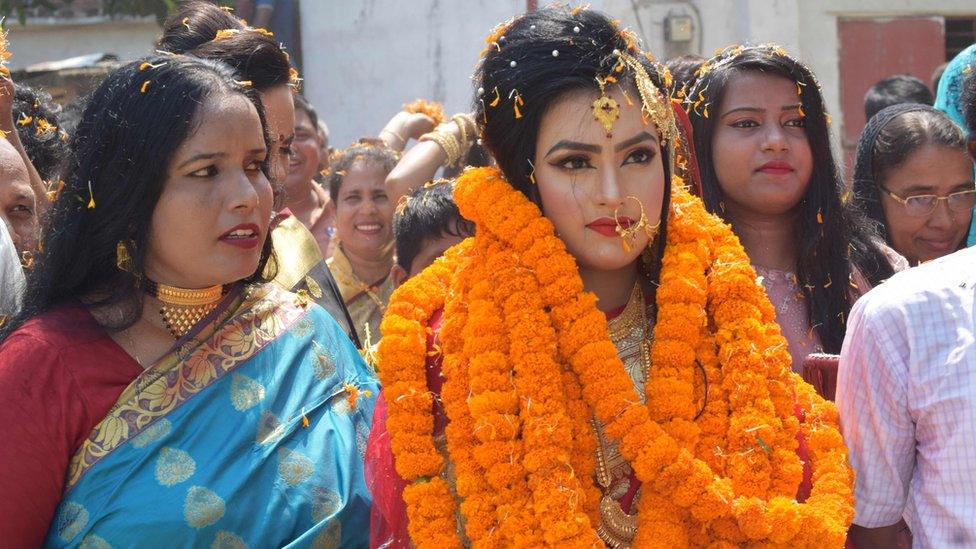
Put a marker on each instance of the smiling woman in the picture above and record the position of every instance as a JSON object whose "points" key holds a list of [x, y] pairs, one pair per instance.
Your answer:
{"points": [[914, 178], [151, 343], [363, 255]]}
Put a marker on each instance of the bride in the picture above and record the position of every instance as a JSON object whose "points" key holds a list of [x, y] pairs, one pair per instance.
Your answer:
{"points": [[598, 364]]}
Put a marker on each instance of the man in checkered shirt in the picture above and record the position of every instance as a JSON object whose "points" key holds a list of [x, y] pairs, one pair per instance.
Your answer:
{"points": [[906, 392]]}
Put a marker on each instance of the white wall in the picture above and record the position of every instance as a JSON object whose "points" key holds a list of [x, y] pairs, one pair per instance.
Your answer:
{"points": [[38, 41], [364, 59]]}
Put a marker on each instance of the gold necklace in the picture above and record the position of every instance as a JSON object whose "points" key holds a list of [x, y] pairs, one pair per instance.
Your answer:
{"points": [[183, 308], [618, 528]]}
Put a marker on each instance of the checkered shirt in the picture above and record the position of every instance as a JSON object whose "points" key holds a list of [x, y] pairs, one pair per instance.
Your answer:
{"points": [[906, 392]]}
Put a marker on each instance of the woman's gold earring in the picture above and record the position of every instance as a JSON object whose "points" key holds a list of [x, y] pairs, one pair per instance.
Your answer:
{"points": [[123, 259]]}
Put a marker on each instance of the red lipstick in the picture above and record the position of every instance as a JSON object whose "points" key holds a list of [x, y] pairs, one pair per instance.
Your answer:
{"points": [[245, 235], [607, 226]]}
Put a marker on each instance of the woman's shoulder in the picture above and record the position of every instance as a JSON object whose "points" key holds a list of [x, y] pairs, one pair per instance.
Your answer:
{"points": [[50, 333]]}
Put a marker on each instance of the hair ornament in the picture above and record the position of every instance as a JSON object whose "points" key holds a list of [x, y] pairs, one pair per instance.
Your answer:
{"points": [[655, 106], [24, 119], [144, 87], [54, 190], [226, 33], [531, 173], [186, 23], [497, 99], [606, 110], [495, 36], [512, 63], [555, 53], [517, 102], [244, 83], [91, 197]]}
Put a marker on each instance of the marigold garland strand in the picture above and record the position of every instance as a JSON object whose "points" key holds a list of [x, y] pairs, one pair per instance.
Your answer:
{"points": [[721, 470]]}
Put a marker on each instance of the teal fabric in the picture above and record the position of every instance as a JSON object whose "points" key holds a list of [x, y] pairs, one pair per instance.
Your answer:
{"points": [[947, 100], [235, 465]]}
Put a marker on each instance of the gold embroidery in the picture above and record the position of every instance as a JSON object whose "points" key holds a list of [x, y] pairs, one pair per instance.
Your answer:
{"points": [[324, 361], [325, 503], [245, 393], [293, 467], [151, 434], [174, 466], [71, 520], [227, 540], [313, 287], [202, 507], [92, 541], [174, 380], [303, 327], [330, 537]]}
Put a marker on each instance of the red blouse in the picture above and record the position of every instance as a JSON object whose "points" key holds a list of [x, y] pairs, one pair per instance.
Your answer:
{"points": [[60, 373]]}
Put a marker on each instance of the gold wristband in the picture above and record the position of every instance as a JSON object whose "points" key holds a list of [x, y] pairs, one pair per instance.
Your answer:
{"points": [[403, 141], [447, 142]]}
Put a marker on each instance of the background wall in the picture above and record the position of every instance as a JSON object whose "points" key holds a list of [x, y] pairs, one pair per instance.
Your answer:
{"points": [[42, 40], [364, 59]]}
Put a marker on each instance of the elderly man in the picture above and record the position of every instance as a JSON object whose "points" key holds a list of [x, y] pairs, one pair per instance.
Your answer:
{"points": [[18, 203]]}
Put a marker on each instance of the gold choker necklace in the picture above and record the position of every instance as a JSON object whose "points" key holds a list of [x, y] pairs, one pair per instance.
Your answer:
{"points": [[183, 308]]}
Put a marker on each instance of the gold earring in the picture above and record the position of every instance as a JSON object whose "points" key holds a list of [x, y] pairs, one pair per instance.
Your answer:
{"points": [[123, 259]]}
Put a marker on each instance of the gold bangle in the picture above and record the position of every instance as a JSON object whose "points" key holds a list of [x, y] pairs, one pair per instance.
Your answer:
{"points": [[447, 142], [462, 126], [395, 134]]}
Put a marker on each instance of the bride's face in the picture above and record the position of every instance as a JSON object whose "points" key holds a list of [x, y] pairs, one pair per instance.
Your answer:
{"points": [[585, 177]]}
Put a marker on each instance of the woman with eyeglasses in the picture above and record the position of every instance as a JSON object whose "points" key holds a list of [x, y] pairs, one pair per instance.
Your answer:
{"points": [[914, 178]]}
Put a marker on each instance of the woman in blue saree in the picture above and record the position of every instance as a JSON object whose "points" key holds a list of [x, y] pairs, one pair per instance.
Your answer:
{"points": [[156, 389]]}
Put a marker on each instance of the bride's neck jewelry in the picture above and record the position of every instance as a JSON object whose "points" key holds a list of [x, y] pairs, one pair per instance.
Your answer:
{"points": [[182, 308], [628, 235]]}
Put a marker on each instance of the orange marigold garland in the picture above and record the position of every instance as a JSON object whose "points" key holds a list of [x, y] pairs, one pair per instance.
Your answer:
{"points": [[432, 109], [722, 469]]}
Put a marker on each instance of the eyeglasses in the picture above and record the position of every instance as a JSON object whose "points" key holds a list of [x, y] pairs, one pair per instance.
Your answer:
{"points": [[923, 204]]}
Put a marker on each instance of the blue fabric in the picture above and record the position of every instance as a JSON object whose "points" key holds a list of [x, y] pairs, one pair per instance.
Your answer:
{"points": [[947, 99], [236, 465]]}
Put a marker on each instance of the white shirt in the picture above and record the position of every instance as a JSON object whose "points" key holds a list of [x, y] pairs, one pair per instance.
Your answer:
{"points": [[906, 392]]}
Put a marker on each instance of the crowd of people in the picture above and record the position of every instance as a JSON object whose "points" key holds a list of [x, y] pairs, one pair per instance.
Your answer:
{"points": [[612, 305]]}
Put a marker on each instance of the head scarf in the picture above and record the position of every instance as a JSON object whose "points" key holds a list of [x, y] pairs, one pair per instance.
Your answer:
{"points": [[870, 202], [11, 275], [952, 83], [947, 100]]}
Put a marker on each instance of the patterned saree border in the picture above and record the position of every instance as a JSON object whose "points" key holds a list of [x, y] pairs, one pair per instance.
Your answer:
{"points": [[268, 312]]}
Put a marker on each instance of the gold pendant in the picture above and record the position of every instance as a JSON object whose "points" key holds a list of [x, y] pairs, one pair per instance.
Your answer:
{"points": [[606, 109], [179, 320]]}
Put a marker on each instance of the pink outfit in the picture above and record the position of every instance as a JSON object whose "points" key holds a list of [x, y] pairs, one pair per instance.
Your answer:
{"points": [[792, 313]]}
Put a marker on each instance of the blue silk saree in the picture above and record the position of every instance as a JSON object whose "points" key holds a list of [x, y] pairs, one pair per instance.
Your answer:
{"points": [[250, 433]]}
